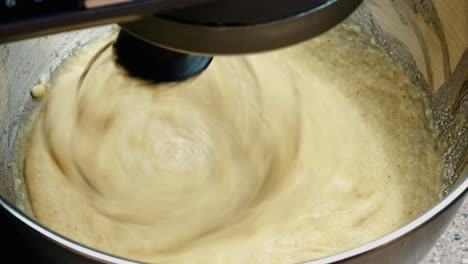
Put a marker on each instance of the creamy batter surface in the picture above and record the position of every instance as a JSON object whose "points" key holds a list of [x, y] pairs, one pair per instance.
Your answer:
{"points": [[280, 157]]}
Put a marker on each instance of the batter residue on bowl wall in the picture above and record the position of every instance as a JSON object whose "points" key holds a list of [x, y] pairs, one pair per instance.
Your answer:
{"points": [[279, 157]]}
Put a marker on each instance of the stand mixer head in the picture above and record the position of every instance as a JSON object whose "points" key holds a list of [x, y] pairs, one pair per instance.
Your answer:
{"points": [[172, 40]]}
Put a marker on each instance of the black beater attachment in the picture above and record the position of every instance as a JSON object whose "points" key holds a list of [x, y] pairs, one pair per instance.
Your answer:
{"points": [[152, 63]]}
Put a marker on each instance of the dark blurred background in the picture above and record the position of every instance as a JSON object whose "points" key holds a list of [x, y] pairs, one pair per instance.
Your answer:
{"points": [[14, 248]]}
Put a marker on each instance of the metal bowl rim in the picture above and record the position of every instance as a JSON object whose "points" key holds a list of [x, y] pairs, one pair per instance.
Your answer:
{"points": [[457, 193]]}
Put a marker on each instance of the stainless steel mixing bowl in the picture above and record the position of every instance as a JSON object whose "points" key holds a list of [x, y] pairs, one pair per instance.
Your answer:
{"points": [[430, 38]]}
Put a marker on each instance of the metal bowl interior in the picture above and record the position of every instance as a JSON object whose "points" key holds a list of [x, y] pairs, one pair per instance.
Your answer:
{"points": [[430, 38]]}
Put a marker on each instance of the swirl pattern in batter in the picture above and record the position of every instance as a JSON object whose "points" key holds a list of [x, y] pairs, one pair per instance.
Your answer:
{"points": [[279, 157]]}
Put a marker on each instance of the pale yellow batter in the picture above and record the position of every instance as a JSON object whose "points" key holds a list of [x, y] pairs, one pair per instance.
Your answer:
{"points": [[279, 157]]}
